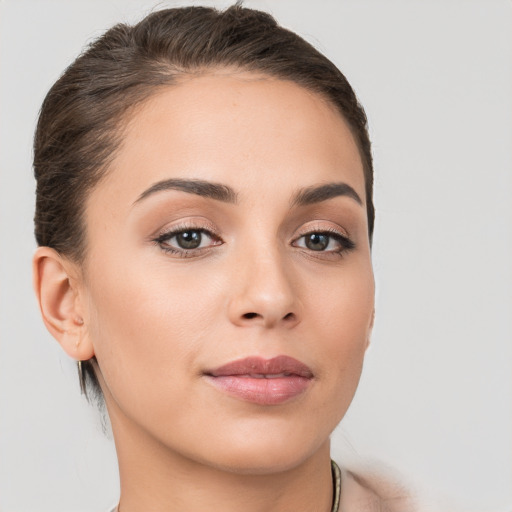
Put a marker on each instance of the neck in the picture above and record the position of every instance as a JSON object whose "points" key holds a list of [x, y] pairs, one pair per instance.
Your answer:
{"points": [[157, 479]]}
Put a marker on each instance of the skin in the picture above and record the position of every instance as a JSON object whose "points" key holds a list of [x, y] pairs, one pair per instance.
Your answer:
{"points": [[157, 320]]}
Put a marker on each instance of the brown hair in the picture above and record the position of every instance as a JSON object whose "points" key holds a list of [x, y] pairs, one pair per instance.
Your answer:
{"points": [[79, 127]]}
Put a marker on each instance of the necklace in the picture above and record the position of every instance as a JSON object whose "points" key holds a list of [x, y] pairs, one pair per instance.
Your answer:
{"points": [[336, 488]]}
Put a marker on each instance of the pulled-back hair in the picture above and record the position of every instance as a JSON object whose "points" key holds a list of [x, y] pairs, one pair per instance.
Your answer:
{"points": [[80, 126]]}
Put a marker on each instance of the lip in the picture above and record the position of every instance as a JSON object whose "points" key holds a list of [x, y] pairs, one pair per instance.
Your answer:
{"points": [[262, 381]]}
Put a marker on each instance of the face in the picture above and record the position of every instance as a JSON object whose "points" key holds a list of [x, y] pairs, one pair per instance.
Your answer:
{"points": [[228, 289]]}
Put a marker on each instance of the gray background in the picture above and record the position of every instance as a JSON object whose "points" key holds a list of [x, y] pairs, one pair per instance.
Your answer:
{"points": [[435, 401]]}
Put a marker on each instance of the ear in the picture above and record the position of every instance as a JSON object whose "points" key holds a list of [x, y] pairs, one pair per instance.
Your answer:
{"points": [[370, 329], [60, 301]]}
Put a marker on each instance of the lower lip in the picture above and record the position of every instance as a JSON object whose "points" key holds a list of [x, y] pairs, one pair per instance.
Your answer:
{"points": [[261, 391]]}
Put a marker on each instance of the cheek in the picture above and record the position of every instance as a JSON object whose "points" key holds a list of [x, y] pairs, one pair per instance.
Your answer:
{"points": [[343, 305], [343, 320], [148, 326]]}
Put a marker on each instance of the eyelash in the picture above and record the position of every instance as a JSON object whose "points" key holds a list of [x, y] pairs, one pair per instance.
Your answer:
{"points": [[345, 244], [182, 252]]}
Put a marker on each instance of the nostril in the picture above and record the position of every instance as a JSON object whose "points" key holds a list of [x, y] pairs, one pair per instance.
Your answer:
{"points": [[250, 316]]}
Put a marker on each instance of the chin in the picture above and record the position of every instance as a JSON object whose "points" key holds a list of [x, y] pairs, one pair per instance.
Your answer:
{"points": [[265, 450], [250, 463]]}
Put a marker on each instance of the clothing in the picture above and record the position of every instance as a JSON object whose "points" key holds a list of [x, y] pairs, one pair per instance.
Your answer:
{"points": [[373, 493]]}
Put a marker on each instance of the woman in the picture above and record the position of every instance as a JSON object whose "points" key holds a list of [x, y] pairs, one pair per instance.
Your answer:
{"points": [[433, 385], [204, 219]]}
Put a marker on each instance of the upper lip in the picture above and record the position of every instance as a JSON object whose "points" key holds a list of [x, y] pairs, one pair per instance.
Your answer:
{"points": [[258, 366]]}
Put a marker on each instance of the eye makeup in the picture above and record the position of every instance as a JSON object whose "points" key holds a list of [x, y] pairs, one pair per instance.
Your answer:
{"points": [[192, 239], [187, 239], [325, 241]]}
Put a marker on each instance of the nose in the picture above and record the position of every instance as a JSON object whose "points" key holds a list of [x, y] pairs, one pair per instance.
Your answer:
{"points": [[264, 293]]}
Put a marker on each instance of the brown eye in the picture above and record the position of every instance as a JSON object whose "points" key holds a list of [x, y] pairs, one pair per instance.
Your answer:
{"points": [[317, 241], [189, 239]]}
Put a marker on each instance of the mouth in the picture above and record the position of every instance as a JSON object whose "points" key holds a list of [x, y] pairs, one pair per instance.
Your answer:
{"points": [[262, 381]]}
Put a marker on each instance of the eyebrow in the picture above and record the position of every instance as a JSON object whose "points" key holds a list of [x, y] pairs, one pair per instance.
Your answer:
{"points": [[201, 188], [317, 194], [224, 193]]}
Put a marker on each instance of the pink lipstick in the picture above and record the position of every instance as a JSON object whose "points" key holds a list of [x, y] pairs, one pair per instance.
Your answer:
{"points": [[262, 381]]}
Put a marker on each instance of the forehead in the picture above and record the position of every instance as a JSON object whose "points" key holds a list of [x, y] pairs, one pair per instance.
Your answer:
{"points": [[242, 129]]}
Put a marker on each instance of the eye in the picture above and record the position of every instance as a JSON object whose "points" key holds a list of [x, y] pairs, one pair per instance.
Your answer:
{"points": [[317, 241], [191, 239], [324, 241], [187, 241]]}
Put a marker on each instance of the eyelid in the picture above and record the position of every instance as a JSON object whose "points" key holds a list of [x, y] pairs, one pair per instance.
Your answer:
{"points": [[322, 227], [172, 233], [198, 224], [329, 232]]}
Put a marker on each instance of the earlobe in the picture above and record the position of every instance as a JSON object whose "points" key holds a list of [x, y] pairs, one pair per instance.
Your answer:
{"points": [[60, 303]]}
